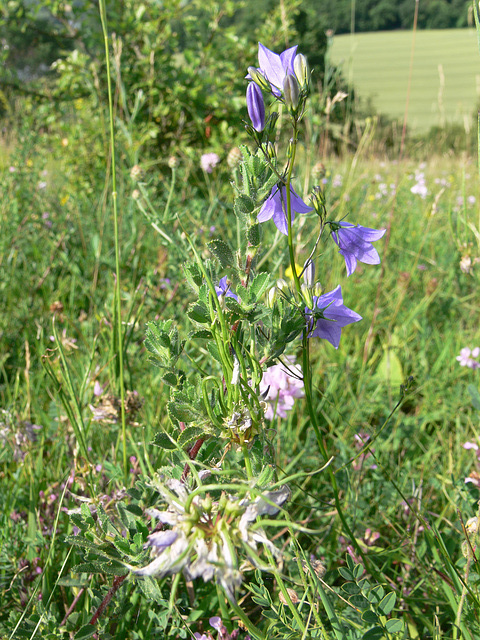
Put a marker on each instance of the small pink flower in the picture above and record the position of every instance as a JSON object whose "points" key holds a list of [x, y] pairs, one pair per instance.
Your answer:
{"points": [[209, 161], [281, 384]]}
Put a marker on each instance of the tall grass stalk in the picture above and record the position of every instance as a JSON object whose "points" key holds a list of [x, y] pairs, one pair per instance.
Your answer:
{"points": [[117, 300]]}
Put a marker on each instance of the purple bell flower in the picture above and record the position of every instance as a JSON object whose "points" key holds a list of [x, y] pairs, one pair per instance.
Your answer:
{"points": [[335, 316], [275, 67], [256, 106], [355, 244], [275, 207], [223, 289]]}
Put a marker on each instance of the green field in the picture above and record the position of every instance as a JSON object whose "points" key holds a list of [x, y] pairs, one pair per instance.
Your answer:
{"points": [[445, 81]]}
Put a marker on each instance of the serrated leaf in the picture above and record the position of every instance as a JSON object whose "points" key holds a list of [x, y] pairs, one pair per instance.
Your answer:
{"points": [[170, 379], [164, 441], [193, 276], [198, 312], [72, 582], [135, 509], [113, 568], [222, 252], [232, 305], [213, 351], [86, 631], [181, 411], [394, 625], [243, 204], [259, 284], [189, 435]]}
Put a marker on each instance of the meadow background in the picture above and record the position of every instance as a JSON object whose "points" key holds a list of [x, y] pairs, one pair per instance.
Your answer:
{"points": [[178, 72]]}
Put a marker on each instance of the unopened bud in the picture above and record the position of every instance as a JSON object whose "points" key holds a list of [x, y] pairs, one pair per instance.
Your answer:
{"points": [[255, 106], [259, 79], [300, 66], [318, 201], [272, 297], [270, 150], [317, 289], [309, 272], [291, 91], [172, 162], [307, 296]]}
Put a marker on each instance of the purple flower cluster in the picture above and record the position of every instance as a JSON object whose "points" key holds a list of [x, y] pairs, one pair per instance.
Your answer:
{"points": [[468, 357], [280, 386]]}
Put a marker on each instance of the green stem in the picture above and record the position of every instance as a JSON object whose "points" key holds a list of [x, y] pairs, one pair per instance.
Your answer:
{"points": [[251, 628], [117, 302], [288, 180], [307, 381], [248, 464]]}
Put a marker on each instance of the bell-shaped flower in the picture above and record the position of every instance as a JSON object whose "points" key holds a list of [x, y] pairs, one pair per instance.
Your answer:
{"points": [[329, 316], [275, 207], [274, 67], [355, 244], [223, 289], [256, 106]]}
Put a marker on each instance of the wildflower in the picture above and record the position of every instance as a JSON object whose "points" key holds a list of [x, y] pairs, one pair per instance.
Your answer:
{"points": [[280, 385], [334, 315], [275, 67], [234, 157], [355, 244], [209, 161], [467, 357], [420, 187], [205, 534], [223, 289], [255, 106], [275, 207]]}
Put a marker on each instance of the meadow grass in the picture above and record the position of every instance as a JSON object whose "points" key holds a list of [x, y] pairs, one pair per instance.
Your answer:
{"points": [[404, 495], [445, 74]]}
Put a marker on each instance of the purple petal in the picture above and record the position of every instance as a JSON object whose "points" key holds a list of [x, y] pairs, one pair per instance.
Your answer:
{"points": [[271, 66], [256, 106], [267, 210]]}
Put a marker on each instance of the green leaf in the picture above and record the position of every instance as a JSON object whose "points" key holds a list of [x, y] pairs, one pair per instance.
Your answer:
{"points": [[475, 396], [376, 594], [351, 588], [198, 312], [254, 234], [190, 435], [394, 625], [193, 275], [86, 631], [170, 379], [213, 351], [259, 284], [387, 603], [243, 205], [375, 633], [164, 441], [181, 411], [370, 617], [222, 252], [358, 571], [346, 573]]}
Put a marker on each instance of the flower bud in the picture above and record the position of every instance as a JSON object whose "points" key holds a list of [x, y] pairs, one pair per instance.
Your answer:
{"points": [[271, 297], [255, 106], [300, 66], [259, 79], [291, 91], [318, 202], [270, 150], [309, 272], [172, 162], [307, 296]]}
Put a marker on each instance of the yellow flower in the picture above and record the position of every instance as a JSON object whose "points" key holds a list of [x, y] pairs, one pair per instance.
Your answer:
{"points": [[64, 199], [289, 272]]}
